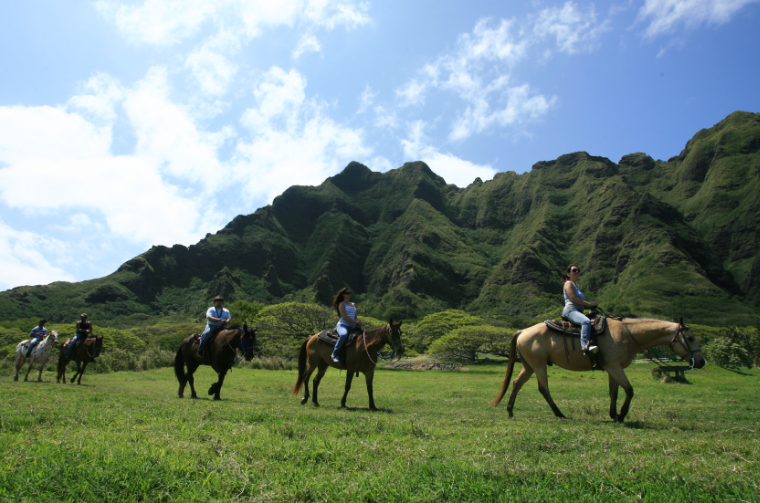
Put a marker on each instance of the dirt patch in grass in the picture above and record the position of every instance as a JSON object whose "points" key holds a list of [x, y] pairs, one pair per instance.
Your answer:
{"points": [[426, 366]]}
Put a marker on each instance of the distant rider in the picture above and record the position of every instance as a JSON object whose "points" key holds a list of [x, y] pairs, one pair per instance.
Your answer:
{"points": [[348, 320], [38, 333], [84, 330], [575, 301], [217, 317]]}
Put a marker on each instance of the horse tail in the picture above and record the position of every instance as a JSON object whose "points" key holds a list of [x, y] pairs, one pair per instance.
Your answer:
{"points": [[510, 368], [301, 367], [62, 362], [179, 365]]}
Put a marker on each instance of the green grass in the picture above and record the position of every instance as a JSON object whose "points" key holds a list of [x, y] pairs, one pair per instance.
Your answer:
{"points": [[127, 437]]}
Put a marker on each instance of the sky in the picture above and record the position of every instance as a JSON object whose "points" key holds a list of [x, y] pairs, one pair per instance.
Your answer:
{"points": [[125, 125]]}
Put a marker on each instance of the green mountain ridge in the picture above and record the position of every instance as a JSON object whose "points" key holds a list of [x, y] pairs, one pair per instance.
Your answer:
{"points": [[664, 238]]}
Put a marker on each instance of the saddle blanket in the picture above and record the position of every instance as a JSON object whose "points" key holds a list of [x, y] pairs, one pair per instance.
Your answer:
{"points": [[571, 330], [331, 337]]}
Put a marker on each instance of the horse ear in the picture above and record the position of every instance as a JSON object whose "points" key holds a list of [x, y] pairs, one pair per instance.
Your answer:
{"points": [[680, 321], [400, 322], [390, 322]]}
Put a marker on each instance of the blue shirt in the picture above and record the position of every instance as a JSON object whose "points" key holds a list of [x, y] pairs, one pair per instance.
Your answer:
{"points": [[39, 332], [569, 305], [222, 314]]}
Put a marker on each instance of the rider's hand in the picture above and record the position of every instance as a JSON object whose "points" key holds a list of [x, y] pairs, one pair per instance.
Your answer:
{"points": [[594, 304]]}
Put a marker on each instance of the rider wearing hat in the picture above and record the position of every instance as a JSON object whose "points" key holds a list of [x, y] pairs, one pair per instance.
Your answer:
{"points": [[38, 333], [217, 317], [84, 330]]}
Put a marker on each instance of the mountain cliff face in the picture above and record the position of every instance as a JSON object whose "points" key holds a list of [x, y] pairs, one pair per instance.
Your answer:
{"points": [[675, 238]]}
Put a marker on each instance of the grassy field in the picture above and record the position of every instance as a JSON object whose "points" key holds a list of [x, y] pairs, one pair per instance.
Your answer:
{"points": [[127, 437]]}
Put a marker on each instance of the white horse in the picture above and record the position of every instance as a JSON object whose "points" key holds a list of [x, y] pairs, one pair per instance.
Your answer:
{"points": [[40, 354]]}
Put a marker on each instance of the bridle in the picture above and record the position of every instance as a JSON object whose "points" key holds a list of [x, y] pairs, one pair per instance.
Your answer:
{"points": [[388, 336], [243, 333], [681, 330]]}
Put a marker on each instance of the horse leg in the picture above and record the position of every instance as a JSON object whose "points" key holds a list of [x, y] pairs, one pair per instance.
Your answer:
{"points": [[306, 378], [543, 387], [321, 369], [217, 386], [192, 366], [614, 386], [84, 366], [19, 364], [42, 367], [617, 374], [31, 364], [517, 384], [349, 378], [368, 377]]}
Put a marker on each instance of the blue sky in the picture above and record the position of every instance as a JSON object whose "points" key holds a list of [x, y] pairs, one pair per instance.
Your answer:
{"points": [[130, 124]]}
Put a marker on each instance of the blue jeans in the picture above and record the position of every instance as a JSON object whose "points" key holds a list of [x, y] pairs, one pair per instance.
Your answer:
{"points": [[73, 343], [342, 336], [580, 319], [35, 340], [206, 334]]}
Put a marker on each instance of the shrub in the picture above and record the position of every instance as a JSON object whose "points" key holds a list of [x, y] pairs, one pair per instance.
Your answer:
{"points": [[735, 347], [465, 343]]}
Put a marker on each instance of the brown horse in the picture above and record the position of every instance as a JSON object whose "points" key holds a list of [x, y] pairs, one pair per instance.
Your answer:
{"points": [[84, 353], [221, 354], [360, 357], [619, 344]]}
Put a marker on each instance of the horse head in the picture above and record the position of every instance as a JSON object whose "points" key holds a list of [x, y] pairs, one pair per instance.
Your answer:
{"points": [[97, 346], [685, 345], [394, 337], [247, 341], [54, 337]]}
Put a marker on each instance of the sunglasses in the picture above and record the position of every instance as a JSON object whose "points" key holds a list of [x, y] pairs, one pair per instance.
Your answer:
{"points": [[347, 293], [575, 270]]}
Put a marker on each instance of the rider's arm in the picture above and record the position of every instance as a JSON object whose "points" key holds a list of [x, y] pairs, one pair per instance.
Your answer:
{"points": [[574, 298]]}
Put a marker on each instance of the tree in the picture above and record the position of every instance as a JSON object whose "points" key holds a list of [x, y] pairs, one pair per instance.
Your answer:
{"points": [[283, 327], [434, 326], [736, 347], [244, 312], [466, 342]]}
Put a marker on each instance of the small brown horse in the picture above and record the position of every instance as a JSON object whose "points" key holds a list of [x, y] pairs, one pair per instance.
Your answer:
{"points": [[360, 357], [619, 345], [221, 354], [85, 352]]}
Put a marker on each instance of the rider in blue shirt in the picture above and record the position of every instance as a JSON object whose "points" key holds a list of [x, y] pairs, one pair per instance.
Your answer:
{"points": [[217, 317], [38, 333]]}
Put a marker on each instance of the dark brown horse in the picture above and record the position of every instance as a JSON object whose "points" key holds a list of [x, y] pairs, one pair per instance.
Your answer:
{"points": [[360, 357], [221, 354], [85, 352], [619, 345]]}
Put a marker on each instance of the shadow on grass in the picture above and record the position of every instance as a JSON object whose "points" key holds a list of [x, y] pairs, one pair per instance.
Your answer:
{"points": [[366, 409]]}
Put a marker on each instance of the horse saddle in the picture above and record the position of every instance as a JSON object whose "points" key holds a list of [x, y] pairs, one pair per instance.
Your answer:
{"points": [[67, 342], [569, 329], [331, 336], [196, 338]]}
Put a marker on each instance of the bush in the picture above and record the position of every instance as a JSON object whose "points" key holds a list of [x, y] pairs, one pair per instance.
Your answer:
{"points": [[434, 326], [465, 343], [735, 347], [119, 360], [270, 363]]}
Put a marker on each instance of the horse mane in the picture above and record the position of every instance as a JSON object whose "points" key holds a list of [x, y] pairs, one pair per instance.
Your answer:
{"points": [[374, 335]]}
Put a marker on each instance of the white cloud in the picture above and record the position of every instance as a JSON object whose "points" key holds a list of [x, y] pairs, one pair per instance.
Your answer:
{"points": [[291, 139], [453, 169], [210, 67], [307, 43], [413, 92], [666, 15], [385, 119], [574, 30], [57, 151], [366, 99], [165, 22], [24, 258]]}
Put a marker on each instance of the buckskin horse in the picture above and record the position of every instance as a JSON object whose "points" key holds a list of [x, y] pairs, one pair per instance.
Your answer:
{"points": [[618, 345], [358, 359], [221, 354], [85, 352], [40, 355]]}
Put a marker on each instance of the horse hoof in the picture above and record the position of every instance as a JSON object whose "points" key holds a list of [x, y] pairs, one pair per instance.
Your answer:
{"points": [[26, 380], [304, 401], [217, 399]]}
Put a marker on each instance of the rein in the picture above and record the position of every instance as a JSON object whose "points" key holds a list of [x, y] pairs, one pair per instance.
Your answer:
{"points": [[388, 337], [681, 330], [243, 349]]}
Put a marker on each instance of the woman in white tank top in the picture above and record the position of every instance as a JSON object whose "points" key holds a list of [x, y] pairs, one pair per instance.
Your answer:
{"points": [[347, 312], [575, 301]]}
